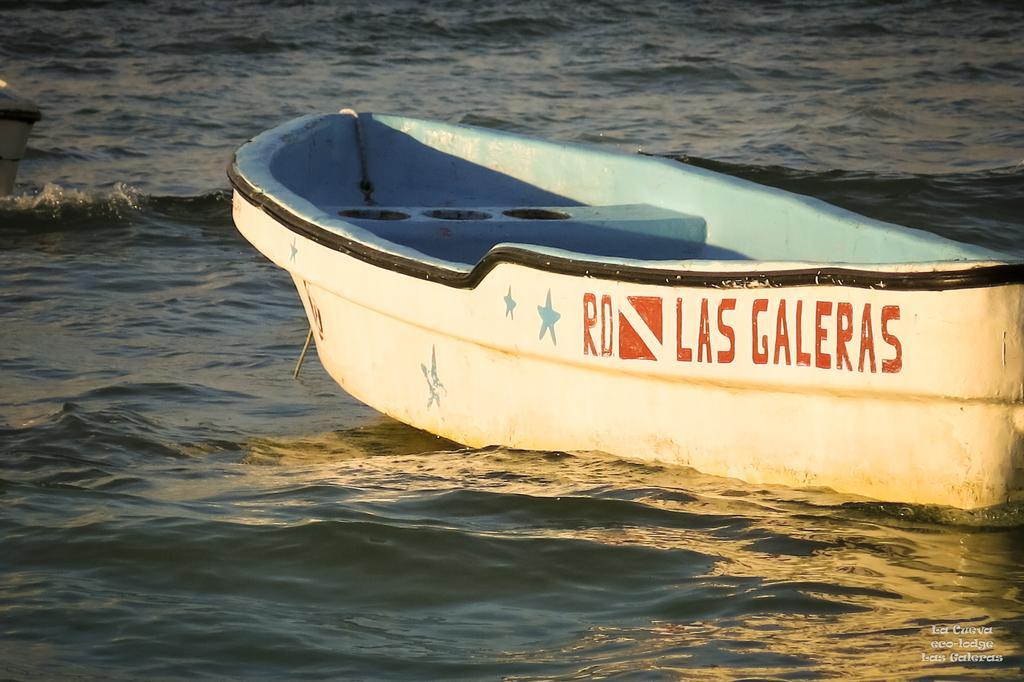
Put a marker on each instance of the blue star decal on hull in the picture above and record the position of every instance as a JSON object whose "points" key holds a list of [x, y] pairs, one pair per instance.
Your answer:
{"points": [[510, 304], [295, 251], [434, 384], [548, 317]]}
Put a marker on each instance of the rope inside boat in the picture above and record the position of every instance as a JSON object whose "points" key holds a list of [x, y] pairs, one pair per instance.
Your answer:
{"points": [[365, 186]]}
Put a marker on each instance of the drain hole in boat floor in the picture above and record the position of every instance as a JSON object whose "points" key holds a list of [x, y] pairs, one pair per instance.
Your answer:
{"points": [[536, 214], [373, 214], [457, 214]]}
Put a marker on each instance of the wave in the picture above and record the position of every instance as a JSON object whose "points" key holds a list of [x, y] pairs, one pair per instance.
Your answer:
{"points": [[996, 517], [55, 208], [73, 438], [238, 44], [855, 29], [513, 27], [699, 71]]}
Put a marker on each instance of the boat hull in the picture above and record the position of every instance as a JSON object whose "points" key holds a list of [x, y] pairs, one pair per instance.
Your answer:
{"points": [[912, 396]]}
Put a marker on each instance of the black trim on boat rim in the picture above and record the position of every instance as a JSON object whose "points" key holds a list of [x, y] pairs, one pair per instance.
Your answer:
{"points": [[984, 276]]}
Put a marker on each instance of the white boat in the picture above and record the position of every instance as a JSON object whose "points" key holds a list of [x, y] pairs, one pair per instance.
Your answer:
{"points": [[17, 115], [495, 289]]}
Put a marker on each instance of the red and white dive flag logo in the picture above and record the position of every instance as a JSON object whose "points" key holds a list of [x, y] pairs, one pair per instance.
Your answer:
{"points": [[640, 328]]}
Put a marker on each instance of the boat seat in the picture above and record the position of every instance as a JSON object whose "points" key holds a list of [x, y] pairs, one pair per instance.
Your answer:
{"points": [[464, 235]]}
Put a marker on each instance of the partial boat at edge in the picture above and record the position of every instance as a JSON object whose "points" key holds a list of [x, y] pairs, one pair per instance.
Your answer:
{"points": [[17, 115]]}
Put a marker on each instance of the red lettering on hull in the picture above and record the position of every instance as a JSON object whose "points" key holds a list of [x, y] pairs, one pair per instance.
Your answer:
{"points": [[683, 353], [726, 331], [706, 332], [894, 364]]}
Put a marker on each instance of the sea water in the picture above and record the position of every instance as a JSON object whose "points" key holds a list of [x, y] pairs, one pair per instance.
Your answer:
{"points": [[174, 505]]}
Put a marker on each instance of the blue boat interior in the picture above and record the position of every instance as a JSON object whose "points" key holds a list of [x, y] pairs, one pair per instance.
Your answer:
{"points": [[454, 192]]}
